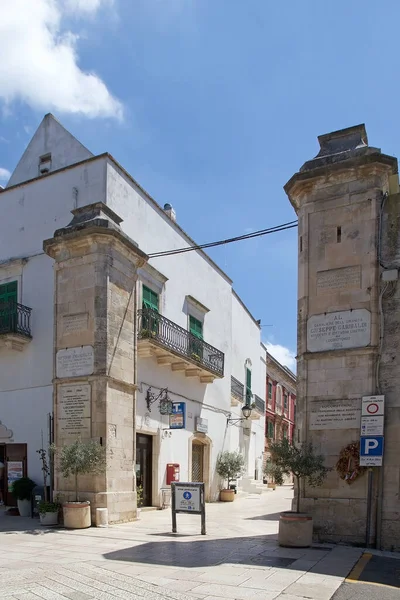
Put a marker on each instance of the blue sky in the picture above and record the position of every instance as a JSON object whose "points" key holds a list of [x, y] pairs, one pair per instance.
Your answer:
{"points": [[211, 105]]}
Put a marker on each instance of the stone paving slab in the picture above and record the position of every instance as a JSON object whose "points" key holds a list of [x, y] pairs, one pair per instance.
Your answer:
{"points": [[238, 559]]}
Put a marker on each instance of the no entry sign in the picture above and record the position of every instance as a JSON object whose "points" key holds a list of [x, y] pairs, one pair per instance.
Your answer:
{"points": [[373, 406]]}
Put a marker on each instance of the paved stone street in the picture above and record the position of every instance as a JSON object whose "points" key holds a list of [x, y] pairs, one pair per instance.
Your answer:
{"points": [[238, 558]]}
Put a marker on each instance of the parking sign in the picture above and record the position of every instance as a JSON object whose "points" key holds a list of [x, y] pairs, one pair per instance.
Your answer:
{"points": [[371, 451]]}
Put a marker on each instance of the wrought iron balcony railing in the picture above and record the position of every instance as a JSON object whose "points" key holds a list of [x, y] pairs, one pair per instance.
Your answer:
{"points": [[237, 389], [260, 404], [15, 318], [154, 326]]}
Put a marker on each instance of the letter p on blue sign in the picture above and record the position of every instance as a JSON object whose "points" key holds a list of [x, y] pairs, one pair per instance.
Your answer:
{"points": [[371, 447]]}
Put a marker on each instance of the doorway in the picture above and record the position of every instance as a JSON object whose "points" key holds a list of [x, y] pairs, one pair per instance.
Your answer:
{"points": [[144, 466], [197, 461], [13, 457]]}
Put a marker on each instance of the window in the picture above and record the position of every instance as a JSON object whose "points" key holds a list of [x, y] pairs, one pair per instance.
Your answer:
{"points": [[150, 299], [285, 401], [44, 164], [8, 306], [269, 391], [249, 395], [271, 430], [196, 338], [196, 327], [150, 306], [285, 433]]}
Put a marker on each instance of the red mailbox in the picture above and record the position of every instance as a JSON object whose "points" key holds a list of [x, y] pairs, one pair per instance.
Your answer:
{"points": [[173, 471]]}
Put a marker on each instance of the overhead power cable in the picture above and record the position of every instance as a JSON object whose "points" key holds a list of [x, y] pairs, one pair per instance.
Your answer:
{"points": [[238, 238]]}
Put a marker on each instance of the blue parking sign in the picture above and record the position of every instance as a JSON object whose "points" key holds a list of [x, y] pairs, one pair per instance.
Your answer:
{"points": [[371, 451]]}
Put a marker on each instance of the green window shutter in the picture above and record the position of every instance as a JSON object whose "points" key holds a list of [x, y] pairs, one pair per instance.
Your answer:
{"points": [[270, 429], [9, 292], [248, 387], [196, 327], [150, 299], [270, 391]]}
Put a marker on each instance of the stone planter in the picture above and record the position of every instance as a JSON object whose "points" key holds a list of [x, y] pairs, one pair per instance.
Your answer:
{"points": [[76, 515], [272, 486], [24, 508], [227, 495], [295, 530], [48, 518]]}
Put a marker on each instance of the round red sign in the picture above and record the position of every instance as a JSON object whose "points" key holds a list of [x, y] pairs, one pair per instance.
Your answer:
{"points": [[372, 409]]}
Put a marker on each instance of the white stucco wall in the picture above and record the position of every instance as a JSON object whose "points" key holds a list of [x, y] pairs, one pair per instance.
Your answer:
{"points": [[32, 213]]}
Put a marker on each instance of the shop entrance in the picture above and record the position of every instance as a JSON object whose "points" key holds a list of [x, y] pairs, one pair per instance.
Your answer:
{"points": [[13, 457], [144, 466]]}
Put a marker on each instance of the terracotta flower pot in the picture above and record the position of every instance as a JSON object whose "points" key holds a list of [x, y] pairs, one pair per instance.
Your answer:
{"points": [[295, 530], [227, 495]]}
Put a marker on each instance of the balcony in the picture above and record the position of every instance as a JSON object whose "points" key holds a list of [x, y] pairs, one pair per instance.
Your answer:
{"points": [[176, 347], [258, 407], [237, 392], [15, 326]]}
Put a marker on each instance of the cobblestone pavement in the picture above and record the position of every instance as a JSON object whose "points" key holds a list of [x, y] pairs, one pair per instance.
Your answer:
{"points": [[238, 558]]}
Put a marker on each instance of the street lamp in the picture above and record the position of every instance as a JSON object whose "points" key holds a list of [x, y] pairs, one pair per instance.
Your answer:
{"points": [[246, 412]]}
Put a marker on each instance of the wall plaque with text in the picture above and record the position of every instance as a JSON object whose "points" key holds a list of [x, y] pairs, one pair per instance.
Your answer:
{"points": [[335, 414], [339, 330], [345, 278], [75, 362], [74, 323], [74, 410]]}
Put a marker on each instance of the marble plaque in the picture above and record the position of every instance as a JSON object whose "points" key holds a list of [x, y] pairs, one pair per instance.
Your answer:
{"points": [[74, 323], [75, 362], [74, 411], [339, 330], [335, 414], [345, 278]]}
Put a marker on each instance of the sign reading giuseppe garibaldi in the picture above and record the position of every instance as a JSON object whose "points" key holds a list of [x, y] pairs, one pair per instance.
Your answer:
{"points": [[339, 330]]}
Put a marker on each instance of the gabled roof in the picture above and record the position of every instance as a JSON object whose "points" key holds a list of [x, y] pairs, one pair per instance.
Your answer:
{"points": [[50, 138]]}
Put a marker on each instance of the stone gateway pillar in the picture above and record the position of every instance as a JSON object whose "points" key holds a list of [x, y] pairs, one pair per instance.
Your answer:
{"points": [[95, 352], [338, 197]]}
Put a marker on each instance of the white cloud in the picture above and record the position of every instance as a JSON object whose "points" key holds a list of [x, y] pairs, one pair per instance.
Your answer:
{"points": [[39, 59], [4, 174], [283, 355]]}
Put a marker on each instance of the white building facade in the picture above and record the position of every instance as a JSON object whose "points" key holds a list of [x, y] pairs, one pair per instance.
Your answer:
{"points": [[198, 346]]}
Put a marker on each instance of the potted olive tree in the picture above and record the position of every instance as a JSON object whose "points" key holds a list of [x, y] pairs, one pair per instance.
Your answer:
{"points": [[79, 458], [273, 474], [22, 489], [230, 466], [295, 527]]}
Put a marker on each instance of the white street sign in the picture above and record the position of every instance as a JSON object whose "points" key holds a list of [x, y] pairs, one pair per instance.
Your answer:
{"points": [[372, 406], [370, 461], [372, 425]]}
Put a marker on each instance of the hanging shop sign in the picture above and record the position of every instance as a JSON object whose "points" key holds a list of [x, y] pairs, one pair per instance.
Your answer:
{"points": [[177, 418]]}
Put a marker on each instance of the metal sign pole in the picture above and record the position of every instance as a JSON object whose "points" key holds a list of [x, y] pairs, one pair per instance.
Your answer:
{"points": [[203, 512], [369, 507], [173, 507]]}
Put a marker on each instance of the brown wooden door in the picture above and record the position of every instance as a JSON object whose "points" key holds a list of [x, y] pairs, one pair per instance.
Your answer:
{"points": [[197, 462], [144, 466], [14, 453]]}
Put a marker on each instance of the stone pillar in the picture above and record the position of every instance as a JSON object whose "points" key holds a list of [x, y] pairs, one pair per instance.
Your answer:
{"points": [[95, 352], [337, 197]]}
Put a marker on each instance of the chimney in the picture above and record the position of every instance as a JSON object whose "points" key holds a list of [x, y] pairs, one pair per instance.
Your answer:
{"points": [[169, 211]]}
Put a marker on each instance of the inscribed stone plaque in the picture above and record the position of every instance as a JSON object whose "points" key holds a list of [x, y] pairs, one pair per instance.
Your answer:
{"points": [[74, 323], [74, 412], [339, 330], [345, 278], [75, 362], [335, 414]]}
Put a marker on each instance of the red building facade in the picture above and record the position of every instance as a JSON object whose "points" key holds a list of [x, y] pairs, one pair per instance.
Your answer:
{"points": [[280, 409]]}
